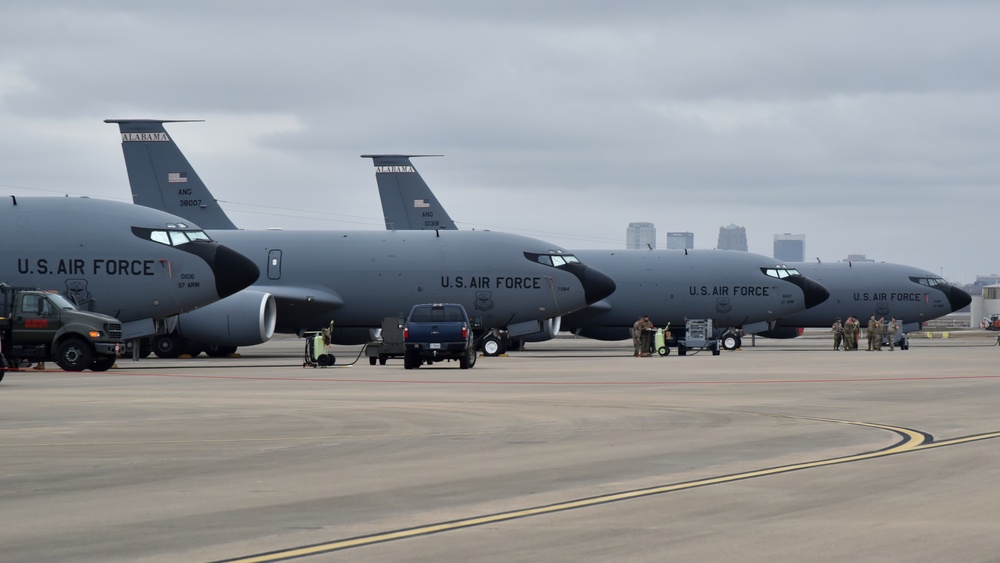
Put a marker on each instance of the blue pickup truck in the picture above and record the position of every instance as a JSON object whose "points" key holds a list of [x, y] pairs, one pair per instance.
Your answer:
{"points": [[435, 332]]}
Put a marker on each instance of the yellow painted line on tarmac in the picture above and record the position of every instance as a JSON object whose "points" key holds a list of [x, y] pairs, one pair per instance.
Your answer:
{"points": [[912, 440]]}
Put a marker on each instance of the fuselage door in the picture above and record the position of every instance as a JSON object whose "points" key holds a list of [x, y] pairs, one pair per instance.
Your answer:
{"points": [[274, 265]]}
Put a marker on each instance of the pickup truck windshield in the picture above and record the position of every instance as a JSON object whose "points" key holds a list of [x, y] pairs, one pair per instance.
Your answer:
{"points": [[437, 314]]}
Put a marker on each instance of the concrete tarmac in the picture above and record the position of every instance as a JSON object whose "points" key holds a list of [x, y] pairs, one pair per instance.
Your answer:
{"points": [[570, 451]]}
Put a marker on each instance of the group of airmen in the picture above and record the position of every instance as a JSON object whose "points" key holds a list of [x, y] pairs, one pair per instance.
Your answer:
{"points": [[848, 333], [845, 334]]}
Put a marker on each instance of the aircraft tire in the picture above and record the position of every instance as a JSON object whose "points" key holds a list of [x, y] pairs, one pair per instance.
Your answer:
{"points": [[102, 363], [730, 341], [493, 345], [168, 346], [74, 355], [218, 351]]}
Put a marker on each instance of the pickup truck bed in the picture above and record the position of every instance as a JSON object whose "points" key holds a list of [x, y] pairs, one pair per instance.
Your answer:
{"points": [[435, 332]]}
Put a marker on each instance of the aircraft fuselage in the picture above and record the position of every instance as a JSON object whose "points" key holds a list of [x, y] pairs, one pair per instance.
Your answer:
{"points": [[355, 278]]}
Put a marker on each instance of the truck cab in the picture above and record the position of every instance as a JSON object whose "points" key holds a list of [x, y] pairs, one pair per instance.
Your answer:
{"points": [[40, 326]]}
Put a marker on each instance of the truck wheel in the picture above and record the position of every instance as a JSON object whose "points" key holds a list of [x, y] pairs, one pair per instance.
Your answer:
{"points": [[168, 346], [682, 350], [74, 355], [372, 360], [493, 345], [468, 359], [382, 359], [102, 363], [410, 360]]}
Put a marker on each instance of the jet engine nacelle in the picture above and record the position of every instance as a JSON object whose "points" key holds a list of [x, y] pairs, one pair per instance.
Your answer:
{"points": [[780, 333], [549, 330], [242, 319]]}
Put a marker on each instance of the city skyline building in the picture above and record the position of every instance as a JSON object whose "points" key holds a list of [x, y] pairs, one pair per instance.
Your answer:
{"points": [[790, 248], [732, 237], [680, 240], [640, 235]]}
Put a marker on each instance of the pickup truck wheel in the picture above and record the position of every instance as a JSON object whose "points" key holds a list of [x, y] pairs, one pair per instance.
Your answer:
{"points": [[382, 359], [410, 360], [74, 355], [102, 363], [468, 359], [372, 360], [493, 345]]}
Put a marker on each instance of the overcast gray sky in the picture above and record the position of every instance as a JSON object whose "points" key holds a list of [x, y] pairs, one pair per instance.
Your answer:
{"points": [[870, 127]]}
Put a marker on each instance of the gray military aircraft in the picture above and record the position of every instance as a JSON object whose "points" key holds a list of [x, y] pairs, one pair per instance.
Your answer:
{"points": [[734, 289], [139, 265], [355, 278], [861, 289]]}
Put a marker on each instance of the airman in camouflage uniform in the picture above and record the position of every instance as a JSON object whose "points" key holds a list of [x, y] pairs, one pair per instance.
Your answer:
{"points": [[838, 334], [891, 329]]}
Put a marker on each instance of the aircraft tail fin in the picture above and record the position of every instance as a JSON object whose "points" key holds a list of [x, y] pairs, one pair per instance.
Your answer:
{"points": [[162, 178], [408, 203]]}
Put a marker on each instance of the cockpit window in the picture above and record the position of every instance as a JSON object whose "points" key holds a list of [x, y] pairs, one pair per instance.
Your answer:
{"points": [[929, 281], [780, 272], [555, 258], [172, 235]]}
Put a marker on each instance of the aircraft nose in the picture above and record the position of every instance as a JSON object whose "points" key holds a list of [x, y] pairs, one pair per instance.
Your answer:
{"points": [[957, 298], [233, 271], [814, 292], [596, 284]]}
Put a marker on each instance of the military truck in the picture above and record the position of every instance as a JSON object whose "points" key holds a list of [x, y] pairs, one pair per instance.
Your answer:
{"points": [[39, 326], [438, 331]]}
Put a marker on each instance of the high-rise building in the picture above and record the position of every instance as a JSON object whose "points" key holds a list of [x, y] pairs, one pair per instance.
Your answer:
{"points": [[790, 248], [732, 238], [680, 240], [640, 235]]}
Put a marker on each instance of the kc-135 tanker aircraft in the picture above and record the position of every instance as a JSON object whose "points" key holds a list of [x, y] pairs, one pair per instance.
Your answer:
{"points": [[861, 289], [355, 278], [137, 264]]}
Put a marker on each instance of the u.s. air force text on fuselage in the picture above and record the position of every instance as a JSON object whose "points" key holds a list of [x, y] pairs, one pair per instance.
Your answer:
{"points": [[884, 296], [80, 266], [498, 282], [734, 290]]}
